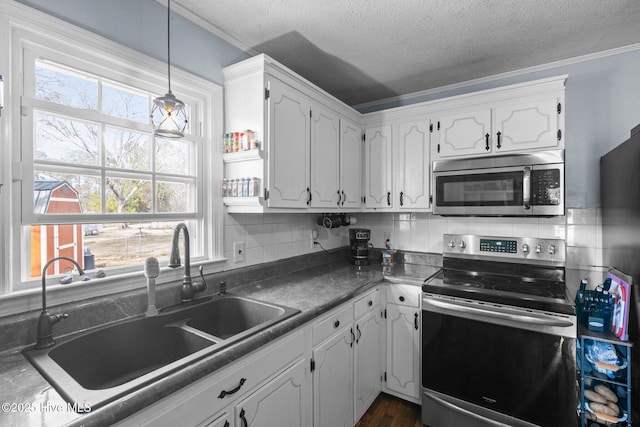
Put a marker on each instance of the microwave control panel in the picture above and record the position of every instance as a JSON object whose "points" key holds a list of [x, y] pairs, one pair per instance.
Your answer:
{"points": [[545, 187]]}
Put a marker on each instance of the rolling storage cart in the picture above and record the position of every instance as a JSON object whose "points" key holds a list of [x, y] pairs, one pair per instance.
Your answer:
{"points": [[604, 362]]}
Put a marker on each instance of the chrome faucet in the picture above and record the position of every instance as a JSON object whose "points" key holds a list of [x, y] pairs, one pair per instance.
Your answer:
{"points": [[189, 288], [46, 320]]}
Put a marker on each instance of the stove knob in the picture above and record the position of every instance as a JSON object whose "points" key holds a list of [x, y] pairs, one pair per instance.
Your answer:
{"points": [[525, 248], [538, 249], [452, 244], [552, 249], [462, 244]]}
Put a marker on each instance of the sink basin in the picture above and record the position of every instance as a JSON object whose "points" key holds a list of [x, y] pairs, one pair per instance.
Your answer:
{"points": [[98, 366], [226, 317]]}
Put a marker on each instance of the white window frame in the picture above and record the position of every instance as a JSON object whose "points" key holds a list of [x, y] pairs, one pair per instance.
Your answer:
{"points": [[23, 29]]}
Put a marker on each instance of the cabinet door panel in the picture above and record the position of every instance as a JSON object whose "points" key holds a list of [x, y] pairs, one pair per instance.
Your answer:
{"points": [[403, 352], [413, 165], [333, 381], [278, 403], [526, 126], [350, 164], [465, 133], [289, 145], [367, 362], [325, 158], [378, 164]]}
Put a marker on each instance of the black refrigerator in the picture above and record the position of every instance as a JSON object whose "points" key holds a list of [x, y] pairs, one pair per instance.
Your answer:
{"points": [[620, 201]]}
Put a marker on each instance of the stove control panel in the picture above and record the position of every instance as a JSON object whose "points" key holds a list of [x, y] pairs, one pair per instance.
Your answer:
{"points": [[515, 249]]}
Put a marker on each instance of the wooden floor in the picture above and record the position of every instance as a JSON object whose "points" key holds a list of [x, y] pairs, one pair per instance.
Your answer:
{"points": [[389, 411]]}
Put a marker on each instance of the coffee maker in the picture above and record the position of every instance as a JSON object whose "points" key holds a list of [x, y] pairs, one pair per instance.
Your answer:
{"points": [[359, 243]]}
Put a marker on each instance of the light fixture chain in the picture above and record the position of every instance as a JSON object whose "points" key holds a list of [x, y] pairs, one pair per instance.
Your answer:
{"points": [[169, 43]]}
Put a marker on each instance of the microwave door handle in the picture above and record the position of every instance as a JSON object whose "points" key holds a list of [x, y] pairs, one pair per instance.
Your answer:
{"points": [[526, 188]]}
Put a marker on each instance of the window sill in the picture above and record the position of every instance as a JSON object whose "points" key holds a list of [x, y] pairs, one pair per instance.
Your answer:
{"points": [[21, 302]]}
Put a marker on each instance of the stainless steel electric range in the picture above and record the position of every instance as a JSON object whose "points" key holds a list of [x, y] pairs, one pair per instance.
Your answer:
{"points": [[498, 335]]}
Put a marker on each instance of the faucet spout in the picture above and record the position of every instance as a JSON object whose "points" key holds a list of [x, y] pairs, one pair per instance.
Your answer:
{"points": [[46, 320], [189, 288]]}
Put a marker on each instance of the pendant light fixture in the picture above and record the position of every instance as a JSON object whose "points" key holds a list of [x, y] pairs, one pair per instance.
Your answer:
{"points": [[168, 113]]}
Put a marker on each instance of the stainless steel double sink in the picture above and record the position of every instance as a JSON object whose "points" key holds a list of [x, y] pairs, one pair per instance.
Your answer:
{"points": [[103, 364]]}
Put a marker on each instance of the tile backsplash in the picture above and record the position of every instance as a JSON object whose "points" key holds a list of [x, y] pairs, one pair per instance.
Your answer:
{"points": [[270, 237]]}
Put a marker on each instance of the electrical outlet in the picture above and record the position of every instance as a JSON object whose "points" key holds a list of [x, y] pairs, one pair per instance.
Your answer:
{"points": [[387, 239], [238, 251], [314, 237]]}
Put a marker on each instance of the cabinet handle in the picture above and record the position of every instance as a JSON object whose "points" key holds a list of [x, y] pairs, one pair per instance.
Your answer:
{"points": [[344, 198], [244, 420], [359, 334], [336, 323], [486, 139], [339, 198], [415, 321], [353, 337], [401, 198], [499, 134], [401, 298], [370, 303], [224, 393], [309, 193], [388, 198], [226, 424]]}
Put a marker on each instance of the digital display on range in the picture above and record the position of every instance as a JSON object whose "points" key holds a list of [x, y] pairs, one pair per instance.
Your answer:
{"points": [[494, 245]]}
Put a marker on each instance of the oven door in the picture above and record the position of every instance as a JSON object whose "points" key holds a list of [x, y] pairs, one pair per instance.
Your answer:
{"points": [[493, 191], [487, 365]]}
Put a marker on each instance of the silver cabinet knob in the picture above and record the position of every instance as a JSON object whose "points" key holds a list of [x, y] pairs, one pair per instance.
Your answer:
{"points": [[525, 248], [538, 249], [462, 244], [552, 249], [452, 244]]}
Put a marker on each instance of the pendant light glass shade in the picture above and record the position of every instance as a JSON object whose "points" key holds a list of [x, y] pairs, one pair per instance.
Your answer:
{"points": [[168, 113]]}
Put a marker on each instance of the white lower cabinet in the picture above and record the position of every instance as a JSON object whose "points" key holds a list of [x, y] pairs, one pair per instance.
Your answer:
{"points": [[333, 380], [280, 402], [347, 365], [403, 342]]}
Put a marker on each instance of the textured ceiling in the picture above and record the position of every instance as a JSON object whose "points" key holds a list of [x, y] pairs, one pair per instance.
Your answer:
{"points": [[362, 51]]}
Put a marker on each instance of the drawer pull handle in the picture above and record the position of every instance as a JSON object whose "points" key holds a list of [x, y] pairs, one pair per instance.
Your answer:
{"points": [[370, 303], [336, 323], [353, 337], [224, 393], [359, 334], [244, 420], [415, 321], [401, 298], [226, 424]]}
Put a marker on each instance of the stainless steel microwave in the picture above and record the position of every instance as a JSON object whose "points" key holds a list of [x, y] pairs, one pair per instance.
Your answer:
{"points": [[529, 184]]}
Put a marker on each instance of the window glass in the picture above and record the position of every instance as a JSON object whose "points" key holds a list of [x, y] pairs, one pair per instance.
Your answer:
{"points": [[174, 156], [50, 187], [125, 103], [66, 140], [125, 149], [128, 195], [174, 197], [62, 86]]}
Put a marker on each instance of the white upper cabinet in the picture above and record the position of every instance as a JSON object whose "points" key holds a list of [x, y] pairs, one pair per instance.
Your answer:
{"points": [[350, 165], [527, 125], [519, 118], [464, 133], [378, 167], [289, 147], [325, 158], [336, 161], [413, 167]]}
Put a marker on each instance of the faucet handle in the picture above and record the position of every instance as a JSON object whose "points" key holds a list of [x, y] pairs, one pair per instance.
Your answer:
{"points": [[55, 318], [204, 281]]}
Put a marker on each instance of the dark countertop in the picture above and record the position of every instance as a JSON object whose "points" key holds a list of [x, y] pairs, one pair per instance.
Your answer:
{"points": [[316, 290]]}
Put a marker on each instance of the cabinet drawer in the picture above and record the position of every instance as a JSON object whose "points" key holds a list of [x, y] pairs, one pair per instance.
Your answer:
{"points": [[339, 318], [369, 302], [408, 295]]}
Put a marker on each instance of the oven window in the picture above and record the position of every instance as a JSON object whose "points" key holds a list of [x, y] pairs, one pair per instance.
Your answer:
{"points": [[520, 373], [489, 189]]}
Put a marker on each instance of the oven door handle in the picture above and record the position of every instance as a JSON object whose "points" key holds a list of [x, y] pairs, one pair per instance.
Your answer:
{"points": [[455, 408], [476, 313]]}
